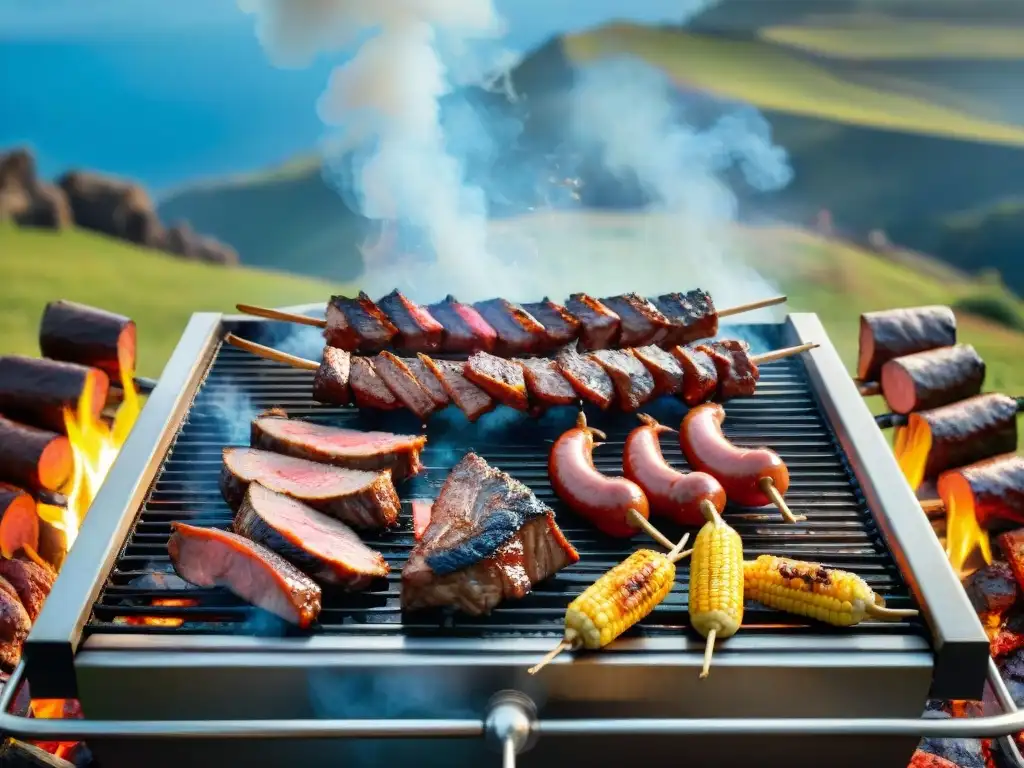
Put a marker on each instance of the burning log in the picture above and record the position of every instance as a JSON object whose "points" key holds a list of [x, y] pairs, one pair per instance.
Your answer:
{"points": [[38, 391], [992, 491], [18, 754], [53, 536], [933, 378], [35, 459], [76, 333], [19, 523], [897, 332]]}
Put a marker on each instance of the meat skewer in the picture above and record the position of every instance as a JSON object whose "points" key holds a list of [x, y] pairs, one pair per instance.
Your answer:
{"points": [[518, 331], [35, 459], [932, 379]]}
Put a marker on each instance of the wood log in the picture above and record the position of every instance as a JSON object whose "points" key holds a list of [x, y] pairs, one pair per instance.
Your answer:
{"points": [[18, 754]]}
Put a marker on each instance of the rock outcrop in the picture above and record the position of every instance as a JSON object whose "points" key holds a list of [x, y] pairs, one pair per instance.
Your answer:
{"points": [[25, 199]]}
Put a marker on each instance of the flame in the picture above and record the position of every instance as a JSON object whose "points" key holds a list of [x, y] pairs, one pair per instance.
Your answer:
{"points": [[57, 709], [162, 621], [94, 445], [911, 446], [964, 533]]}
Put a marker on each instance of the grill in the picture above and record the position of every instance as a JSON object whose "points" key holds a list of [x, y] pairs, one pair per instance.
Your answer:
{"points": [[366, 660]]}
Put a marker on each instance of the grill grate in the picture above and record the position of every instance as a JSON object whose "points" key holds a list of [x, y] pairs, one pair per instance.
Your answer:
{"points": [[782, 414]]}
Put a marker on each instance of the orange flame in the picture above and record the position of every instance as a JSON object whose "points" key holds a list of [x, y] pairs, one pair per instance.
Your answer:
{"points": [[56, 709], [162, 621], [964, 534]]}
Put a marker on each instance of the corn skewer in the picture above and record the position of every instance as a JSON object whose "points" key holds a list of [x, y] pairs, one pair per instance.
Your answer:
{"points": [[716, 582], [617, 600], [839, 598]]}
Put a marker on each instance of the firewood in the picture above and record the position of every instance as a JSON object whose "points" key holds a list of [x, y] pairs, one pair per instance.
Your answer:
{"points": [[18, 754]]}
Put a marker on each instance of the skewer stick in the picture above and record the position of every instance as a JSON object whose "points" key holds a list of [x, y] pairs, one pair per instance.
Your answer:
{"points": [[882, 613], [868, 388], [268, 353], [276, 314], [932, 506], [639, 521], [768, 488], [782, 354], [677, 552], [709, 651], [751, 306]]}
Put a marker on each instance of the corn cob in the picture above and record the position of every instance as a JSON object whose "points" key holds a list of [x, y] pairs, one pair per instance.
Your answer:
{"points": [[617, 600], [835, 597], [716, 582]]}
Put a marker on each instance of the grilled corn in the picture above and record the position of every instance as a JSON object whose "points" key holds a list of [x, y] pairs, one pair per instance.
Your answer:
{"points": [[835, 597], [716, 582], [618, 600]]}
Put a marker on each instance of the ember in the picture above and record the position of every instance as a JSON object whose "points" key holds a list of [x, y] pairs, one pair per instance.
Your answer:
{"points": [[162, 621], [57, 709]]}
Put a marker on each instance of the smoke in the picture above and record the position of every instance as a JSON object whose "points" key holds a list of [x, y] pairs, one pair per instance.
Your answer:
{"points": [[227, 412]]}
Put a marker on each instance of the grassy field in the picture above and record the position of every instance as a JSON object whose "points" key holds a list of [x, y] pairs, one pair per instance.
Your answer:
{"points": [[158, 291]]}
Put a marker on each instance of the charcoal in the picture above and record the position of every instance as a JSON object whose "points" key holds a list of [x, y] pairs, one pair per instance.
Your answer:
{"points": [[992, 590], [965, 753]]}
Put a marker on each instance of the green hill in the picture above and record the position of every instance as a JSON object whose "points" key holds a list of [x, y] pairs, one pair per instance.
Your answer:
{"points": [[158, 291]]}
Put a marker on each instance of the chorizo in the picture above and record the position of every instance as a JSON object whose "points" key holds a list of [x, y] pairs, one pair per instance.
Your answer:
{"points": [[897, 332]]}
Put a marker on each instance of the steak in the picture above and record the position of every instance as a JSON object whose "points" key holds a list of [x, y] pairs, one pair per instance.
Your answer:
{"points": [[599, 326], [633, 383], [368, 389], [667, 373], [340, 447], [587, 377], [560, 327], [545, 382], [357, 497], [737, 372], [489, 539], [700, 377], [418, 331], [331, 380], [464, 329], [357, 324], [500, 378], [210, 557], [692, 316], [14, 628], [518, 331], [318, 545], [32, 582], [400, 380], [640, 322], [470, 399], [428, 380]]}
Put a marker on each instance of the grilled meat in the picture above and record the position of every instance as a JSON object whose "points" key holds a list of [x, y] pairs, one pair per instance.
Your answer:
{"points": [[933, 378], [400, 380], [992, 590], [470, 399], [331, 380], [700, 377], [586, 376], [324, 548], [357, 324], [464, 329], [361, 499], [633, 384], [737, 372], [545, 383], [428, 380], [32, 583], [665, 369], [489, 539], [640, 322], [209, 557], [14, 628], [418, 331], [518, 331], [692, 316], [897, 332], [501, 379], [348, 448], [560, 327], [599, 326], [368, 388], [421, 509]]}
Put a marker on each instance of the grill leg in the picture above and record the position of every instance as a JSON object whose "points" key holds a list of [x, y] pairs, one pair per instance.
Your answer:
{"points": [[509, 723]]}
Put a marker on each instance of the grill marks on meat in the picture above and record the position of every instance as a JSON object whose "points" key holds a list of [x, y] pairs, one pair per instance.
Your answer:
{"points": [[586, 377], [518, 331], [331, 380], [357, 324], [15, 625], [665, 369], [340, 447], [737, 372], [469, 398], [640, 322], [320, 546], [501, 379], [633, 383], [30, 581], [933, 378], [361, 499], [692, 316], [545, 382], [418, 331], [599, 326], [403, 384], [700, 377], [489, 539], [464, 329], [560, 327], [368, 388], [208, 557]]}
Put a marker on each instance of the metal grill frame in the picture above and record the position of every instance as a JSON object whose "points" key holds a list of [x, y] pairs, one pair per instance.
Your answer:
{"points": [[56, 654]]}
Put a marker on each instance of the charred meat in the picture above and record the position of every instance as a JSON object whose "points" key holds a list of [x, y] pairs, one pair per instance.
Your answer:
{"points": [[518, 331], [633, 383], [692, 316], [464, 329], [501, 379], [640, 322], [400, 380], [32, 582], [331, 380], [586, 376], [418, 331], [357, 324], [428, 380], [545, 383], [368, 388], [700, 377], [560, 327], [665, 369], [469, 398], [599, 326], [737, 372]]}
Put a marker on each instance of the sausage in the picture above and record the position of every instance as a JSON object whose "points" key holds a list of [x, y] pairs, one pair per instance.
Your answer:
{"points": [[897, 332], [76, 333], [992, 489], [670, 493], [932, 379], [35, 459], [36, 391], [19, 522], [604, 501], [743, 472]]}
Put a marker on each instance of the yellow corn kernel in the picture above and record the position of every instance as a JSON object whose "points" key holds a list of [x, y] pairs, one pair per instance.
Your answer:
{"points": [[716, 582], [831, 596]]}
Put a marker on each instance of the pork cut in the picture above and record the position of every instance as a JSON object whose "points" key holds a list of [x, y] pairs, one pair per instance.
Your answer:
{"points": [[545, 383], [428, 380], [210, 557], [469, 398], [700, 377], [489, 539], [692, 316], [418, 331], [737, 372], [500, 378], [357, 497]]}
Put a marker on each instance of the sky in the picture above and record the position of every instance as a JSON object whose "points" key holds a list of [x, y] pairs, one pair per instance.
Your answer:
{"points": [[172, 91]]}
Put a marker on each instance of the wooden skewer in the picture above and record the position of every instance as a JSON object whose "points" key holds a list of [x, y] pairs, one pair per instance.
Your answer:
{"points": [[932, 506], [639, 521], [276, 314], [868, 388], [751, 306], [269, 353], [768, 488], [781, 354]]}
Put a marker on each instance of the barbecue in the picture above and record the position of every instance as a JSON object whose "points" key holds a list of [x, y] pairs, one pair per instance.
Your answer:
{"points": [[369, 667], [508, 329]]}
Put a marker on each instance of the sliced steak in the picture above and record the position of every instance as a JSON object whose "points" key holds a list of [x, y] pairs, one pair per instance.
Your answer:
{"points": [[700, 377], [633, 383], [469, 398], [348, 448], [518, 331], [586, 376], [400, 380], [331, 380], [501, 379], [545, 382], [599, 326], [418, 331], [428, 380], [361, 499], [464, 329], [560, 326], [640, 322], [210, 557], [692, 316], [32, 582], [489, 539], [357, 324], [325, 548], [369, 389], [667, 373], [737, 372], [14, 628]]}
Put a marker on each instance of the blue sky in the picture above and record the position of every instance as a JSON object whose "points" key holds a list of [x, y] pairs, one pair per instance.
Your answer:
{"points": [[167, 91]]}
